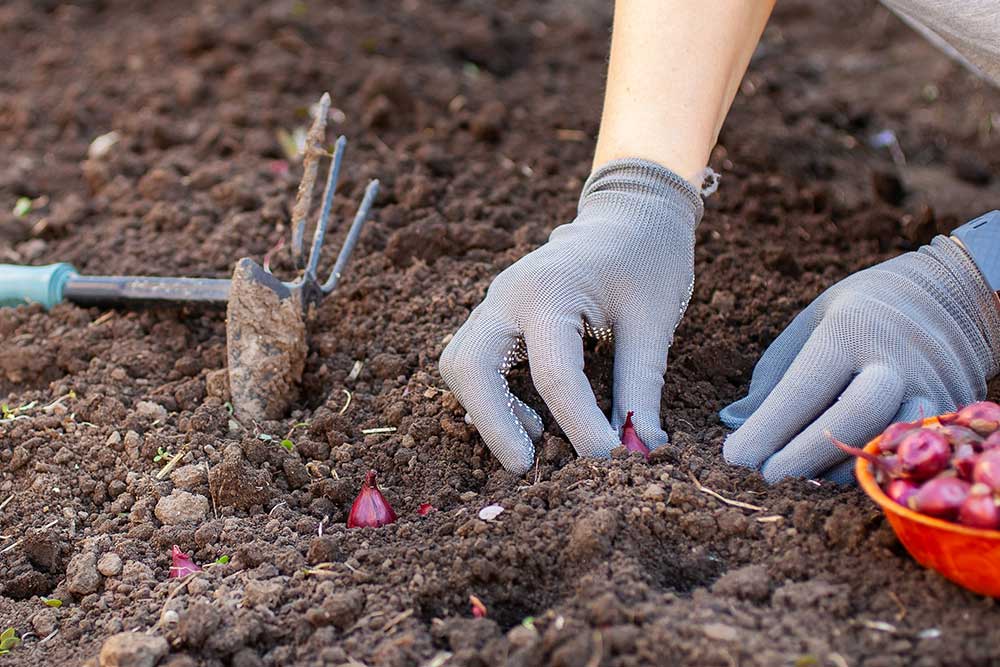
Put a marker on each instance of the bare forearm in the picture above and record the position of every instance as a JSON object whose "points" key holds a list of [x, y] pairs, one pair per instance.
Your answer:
{"points": [[675, 68]]}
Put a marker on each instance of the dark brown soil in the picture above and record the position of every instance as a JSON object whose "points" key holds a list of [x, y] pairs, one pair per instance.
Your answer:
{"points": [[479, 118]]}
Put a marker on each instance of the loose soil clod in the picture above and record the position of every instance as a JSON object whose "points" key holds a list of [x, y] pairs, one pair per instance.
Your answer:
{"points": [[265, 343]]}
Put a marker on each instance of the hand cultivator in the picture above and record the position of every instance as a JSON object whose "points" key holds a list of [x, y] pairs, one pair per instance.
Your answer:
{"points": [[265, 317]]}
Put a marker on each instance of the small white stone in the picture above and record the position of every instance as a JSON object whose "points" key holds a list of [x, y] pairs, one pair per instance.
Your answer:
{"points": [[490, 512], [100, 146]]}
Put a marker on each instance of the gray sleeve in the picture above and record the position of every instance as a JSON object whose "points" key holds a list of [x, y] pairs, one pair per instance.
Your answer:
{"points": [[967, 30]]}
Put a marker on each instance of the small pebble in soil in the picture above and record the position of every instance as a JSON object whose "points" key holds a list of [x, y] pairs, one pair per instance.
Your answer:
{"points": [[654, 492], [181, 507], [151, 410], [44, 622], [490, 512], [82, 576], [132, 649], [109, 564], [189, 477]]}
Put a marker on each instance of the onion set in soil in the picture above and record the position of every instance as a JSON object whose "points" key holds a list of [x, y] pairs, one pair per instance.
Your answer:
{"points": [[949, 470], [181, 564], [630, 439], [370, 508]]}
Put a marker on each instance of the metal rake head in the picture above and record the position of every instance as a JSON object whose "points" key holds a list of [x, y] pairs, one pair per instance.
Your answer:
{"points": [[265, 317], [308, 283]]}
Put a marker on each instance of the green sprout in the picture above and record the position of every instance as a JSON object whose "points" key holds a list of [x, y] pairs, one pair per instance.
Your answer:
{"points": [[471, 70], [221, 560], [8, 640], [528, 622], [22, 207], [162, 455], [52, 602], [284, 442], [8, 413]]}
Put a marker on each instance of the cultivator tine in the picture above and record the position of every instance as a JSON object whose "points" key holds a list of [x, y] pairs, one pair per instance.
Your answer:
{"points": [[324, 214], [310, 167], [352, 237]]}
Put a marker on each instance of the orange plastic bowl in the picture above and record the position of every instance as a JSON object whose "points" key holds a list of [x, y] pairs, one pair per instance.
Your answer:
{"points": [[968, 556]]}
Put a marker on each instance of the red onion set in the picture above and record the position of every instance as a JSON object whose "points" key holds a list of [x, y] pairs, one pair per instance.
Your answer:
{"points": [[949, 470], [181, 564], [370, 508], [630, 439]]}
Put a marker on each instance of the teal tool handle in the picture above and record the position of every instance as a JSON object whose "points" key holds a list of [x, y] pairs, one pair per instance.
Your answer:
{"points": [[34, 284]]}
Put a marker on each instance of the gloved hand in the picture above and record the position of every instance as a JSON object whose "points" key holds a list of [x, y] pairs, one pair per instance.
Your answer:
{"points": [[623, 269], [916, 335]]}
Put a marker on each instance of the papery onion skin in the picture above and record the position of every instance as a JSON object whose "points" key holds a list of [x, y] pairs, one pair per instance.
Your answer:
{"points": [[964, 461], [980, 509], [960, 435], [940, 497], [181, 564], [923, 454], [992, 441], [982, 417], [987, 469], [901, 490], [894, 434]]}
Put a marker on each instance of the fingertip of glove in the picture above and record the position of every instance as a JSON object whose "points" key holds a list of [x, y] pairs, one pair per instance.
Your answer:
{"points": [[598, 448], [732, 416], [653, 438], [736, 452], [518, 468], [773, 474]]}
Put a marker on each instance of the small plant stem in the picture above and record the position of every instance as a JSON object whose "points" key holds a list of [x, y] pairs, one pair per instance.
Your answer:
{"points": [[170, 464], [718, 496]]}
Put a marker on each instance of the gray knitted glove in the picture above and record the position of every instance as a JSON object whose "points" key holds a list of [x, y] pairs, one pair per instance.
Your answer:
{"points": [[918, 334], [623, 268]]}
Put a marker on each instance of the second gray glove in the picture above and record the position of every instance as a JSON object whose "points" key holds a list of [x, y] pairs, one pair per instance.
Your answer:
{"points": [[915, 336], [623, 269]]}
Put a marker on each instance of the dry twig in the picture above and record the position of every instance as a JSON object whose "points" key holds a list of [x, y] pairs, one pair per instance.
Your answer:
{"points": [[165, 470], [399, 618], [728, 501]]}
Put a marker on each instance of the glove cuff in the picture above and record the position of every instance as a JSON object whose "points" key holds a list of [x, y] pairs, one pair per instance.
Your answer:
{"points": [[981, 239], [968, 286], [643, 186]]}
